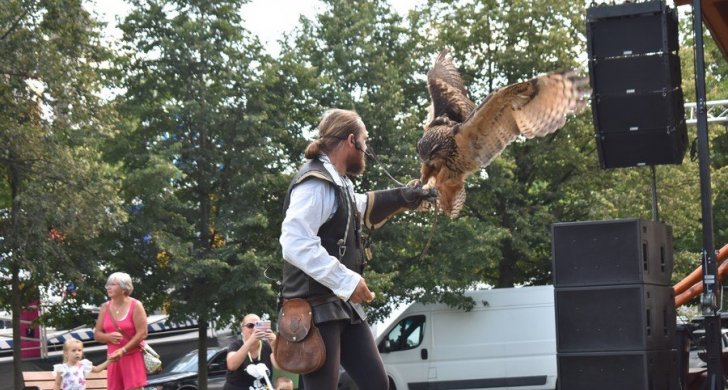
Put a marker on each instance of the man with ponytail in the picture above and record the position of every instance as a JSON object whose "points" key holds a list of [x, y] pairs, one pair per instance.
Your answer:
{"points": [[323, 250]]}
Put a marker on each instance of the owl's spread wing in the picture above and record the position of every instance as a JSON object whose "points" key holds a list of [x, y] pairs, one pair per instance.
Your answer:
{"points": [[447, 91], [532, 108]]}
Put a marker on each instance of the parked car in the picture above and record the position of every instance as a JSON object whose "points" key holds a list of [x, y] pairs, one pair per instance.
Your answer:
{"points": [[181, 374], [697, 347]]}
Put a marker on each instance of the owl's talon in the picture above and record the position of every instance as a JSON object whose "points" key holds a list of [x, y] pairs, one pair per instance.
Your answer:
{"points": [[413, 183]]}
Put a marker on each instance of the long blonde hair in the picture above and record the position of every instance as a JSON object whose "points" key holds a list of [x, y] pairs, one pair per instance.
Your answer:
{"points": [[67, 347]]}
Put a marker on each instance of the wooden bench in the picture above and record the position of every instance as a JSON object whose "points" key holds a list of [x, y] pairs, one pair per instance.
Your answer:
{"points": [[44, 380]]}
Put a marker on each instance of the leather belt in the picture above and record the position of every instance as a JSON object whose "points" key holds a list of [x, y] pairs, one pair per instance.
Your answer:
{"points": [[321, 299]]}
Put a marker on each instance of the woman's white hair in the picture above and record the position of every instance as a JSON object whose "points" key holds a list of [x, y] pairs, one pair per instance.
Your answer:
{"points": [[124, 281]]}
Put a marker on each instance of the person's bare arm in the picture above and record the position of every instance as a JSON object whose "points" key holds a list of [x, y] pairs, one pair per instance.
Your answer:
{"points": [[101, 366], [236, 358], [99, 334], [361, 293], [140, 324]]}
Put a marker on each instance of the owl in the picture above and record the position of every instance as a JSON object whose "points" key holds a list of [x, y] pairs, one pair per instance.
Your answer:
{"points": [[460, 138]]}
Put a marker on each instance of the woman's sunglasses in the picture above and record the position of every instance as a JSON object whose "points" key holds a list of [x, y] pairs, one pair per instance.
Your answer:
{"points": [[249, 325]]}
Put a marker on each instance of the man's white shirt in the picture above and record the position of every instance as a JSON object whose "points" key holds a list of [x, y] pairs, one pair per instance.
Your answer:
{"points": [[311, 204]]}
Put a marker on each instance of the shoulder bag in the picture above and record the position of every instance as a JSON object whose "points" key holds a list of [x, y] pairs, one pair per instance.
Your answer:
{"points": [[299, 347]]}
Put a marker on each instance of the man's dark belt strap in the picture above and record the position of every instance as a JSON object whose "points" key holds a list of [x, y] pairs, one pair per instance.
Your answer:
{"points": [[320, 299]]}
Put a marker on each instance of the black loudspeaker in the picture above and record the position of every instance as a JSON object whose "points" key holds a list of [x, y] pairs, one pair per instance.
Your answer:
{"points": [[625, 76], [626, 370], [637, 103], [615, 318], [623, 251], [615, 28], [652, 117]]}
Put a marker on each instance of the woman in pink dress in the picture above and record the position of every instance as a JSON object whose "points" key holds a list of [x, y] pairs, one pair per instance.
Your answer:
{"points": [[123, 334]]}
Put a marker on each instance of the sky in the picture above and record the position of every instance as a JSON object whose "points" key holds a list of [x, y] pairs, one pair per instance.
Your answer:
{"points": [[268, 19]]}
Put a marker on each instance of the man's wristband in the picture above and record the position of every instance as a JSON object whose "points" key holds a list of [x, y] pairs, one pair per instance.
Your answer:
{"points": [[123, 350]]}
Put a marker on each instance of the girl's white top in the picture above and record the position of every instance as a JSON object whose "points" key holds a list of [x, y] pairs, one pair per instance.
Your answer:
{"points": [[73, 377]]}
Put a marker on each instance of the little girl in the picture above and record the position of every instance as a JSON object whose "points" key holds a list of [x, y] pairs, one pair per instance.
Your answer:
{"points": [[71, 375]]}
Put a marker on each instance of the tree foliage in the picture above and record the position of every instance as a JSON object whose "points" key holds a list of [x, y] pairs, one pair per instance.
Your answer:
{"points": [[180, 180], [503, 237], [199, 92], [58, 193]]}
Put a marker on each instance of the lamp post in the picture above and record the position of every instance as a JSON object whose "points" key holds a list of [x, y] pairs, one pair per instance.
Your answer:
{"points": [[711, 293]]}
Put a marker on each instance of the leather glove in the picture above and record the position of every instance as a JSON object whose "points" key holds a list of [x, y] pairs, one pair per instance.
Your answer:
{"points": [[414, 194], [382, 205]]}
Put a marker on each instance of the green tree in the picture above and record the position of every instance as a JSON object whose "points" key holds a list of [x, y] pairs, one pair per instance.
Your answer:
{"points": [[503, 236], [365, 59], [370, 60], [205, 130], [57, 193]]}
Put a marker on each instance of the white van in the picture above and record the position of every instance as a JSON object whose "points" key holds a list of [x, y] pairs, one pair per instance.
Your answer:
{"points": [[507, 341]]}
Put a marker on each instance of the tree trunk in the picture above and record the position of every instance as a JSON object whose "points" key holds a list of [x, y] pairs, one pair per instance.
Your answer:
{"points": [[506, 265], [202, 353], [16, 307]]}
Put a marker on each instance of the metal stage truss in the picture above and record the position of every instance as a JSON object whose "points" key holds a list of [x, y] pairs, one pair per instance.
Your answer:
{"points": [[717, 111]]}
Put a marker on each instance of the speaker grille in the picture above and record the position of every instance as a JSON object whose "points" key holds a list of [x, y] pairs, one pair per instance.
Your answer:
{"points": [[631, 29], [625, 251], [627, 149], [658, 112], [614, 305], [636, 75], [627, 370], [615, 318]]}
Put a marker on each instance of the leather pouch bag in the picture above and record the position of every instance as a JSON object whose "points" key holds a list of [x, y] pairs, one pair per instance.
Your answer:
{"points": [[299, 347]]}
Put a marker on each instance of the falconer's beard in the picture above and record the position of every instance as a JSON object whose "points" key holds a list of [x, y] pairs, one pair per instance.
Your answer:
{"points": [[356, 163]]}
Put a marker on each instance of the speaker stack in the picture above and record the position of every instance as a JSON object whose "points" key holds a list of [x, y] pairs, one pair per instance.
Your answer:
{"points": [[615, 314], [634, 71]]}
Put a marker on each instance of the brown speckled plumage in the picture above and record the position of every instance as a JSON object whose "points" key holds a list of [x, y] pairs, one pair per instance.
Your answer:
{"points": [[460, 138]]}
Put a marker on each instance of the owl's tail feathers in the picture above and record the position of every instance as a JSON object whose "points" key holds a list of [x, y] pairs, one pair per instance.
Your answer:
{"points": [[458, 202]]}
